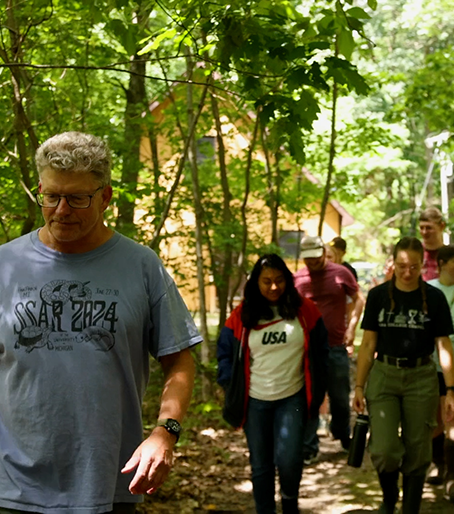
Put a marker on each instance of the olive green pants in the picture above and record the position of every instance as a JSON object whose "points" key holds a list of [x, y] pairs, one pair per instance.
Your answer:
{"points": [[402, 405], [118, 508]]}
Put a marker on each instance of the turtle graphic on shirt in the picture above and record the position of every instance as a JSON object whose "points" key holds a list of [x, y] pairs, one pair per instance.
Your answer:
{"points": [[34, 337]]}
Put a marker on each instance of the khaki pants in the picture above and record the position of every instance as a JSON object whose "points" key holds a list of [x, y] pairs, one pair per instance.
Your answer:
{"points": [[118, 508], [405, 399]]}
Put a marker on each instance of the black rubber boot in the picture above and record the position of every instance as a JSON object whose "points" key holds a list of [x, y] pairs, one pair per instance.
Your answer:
{"points": [[388, 482], [290, 506], [413, 487], [449, 477], [438, 458]]}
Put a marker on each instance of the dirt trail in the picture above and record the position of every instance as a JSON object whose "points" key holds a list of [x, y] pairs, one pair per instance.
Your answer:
{"points": [[212, 474]]}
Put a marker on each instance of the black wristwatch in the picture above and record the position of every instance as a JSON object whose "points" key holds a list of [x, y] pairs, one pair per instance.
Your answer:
{"points": [[449, 388], [171, 425]]}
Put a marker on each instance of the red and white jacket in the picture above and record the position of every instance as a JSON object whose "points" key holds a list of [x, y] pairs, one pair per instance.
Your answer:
{"points": [[233, 348]]}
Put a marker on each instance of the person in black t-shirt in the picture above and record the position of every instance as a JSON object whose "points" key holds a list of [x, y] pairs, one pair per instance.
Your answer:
{"points": [[403, 320], [339, 246]]}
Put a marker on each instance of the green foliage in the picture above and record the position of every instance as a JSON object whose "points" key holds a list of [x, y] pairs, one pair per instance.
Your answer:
{"points": [[382, 157], [265, 57]]}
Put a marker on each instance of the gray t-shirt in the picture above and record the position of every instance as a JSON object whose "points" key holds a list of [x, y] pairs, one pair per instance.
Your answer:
{"points": [[76, 331], [449, 293]]}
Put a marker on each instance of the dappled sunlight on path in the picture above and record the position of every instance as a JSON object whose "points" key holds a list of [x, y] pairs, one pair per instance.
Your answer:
{"points": [[212, 475]]}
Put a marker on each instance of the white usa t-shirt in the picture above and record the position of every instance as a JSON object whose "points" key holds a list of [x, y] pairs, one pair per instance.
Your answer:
{"points": [[277, 348]]}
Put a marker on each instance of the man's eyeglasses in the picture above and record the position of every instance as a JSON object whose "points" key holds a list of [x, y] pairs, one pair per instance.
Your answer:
{"points": [[76, 201]]}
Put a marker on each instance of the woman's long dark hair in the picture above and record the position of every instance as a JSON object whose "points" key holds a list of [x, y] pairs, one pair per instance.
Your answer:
{"points": [[256, 306], [415, 245]]}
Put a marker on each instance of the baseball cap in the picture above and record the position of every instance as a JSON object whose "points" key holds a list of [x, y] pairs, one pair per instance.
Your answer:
{"points": [[311, 247]]}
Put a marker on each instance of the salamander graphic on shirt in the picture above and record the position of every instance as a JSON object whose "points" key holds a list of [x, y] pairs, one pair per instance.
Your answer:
{"points": [[40, 319]]}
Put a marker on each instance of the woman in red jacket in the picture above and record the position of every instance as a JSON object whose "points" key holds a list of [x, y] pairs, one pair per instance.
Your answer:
{"points": [[272, 356]]}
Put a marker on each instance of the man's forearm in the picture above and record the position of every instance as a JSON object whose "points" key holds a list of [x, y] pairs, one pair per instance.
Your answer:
{"points": [[179, 372]]}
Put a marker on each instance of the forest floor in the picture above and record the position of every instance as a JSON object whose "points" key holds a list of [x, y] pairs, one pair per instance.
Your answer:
{"points": [[212, 475]]}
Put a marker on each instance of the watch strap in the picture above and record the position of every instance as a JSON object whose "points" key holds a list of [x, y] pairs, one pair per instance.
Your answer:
{"points": [[171, 425]]}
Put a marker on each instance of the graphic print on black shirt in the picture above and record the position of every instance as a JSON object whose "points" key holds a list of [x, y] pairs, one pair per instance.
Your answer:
{"points": [[41, 322], [407, 331], [412, 318]]}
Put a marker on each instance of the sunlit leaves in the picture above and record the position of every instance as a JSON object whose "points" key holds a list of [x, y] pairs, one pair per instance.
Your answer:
{"points": [[156, 42], [345, 73], [346, 44], [357, 12]]}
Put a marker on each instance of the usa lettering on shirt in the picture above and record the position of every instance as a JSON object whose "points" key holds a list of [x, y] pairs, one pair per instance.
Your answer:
{"points": [[274, 337]]}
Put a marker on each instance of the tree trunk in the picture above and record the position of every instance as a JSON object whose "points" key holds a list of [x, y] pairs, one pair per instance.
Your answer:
{"points": [[198, 209], [272, 199], [223, 279], [171, 194], [21, 123], [158, 200], [332, 154], [136, 104], [241, 263]]}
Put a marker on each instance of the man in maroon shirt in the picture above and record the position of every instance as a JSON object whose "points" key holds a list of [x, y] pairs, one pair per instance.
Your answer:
{"points": [[431, 227], [328, 285]]}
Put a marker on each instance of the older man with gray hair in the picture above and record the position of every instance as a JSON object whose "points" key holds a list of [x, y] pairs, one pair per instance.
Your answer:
{"points": [[81, 308]]}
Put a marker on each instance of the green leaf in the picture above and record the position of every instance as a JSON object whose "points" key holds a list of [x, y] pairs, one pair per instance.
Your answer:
{"points": [[251, 83], [299, 52], [310, 32], [267, 113], [153, 45], [346, 43], [319, 45], [372, 4], [303, 23], [355, 24], [356, 81], [296, 147], [308, 105], [326, 23], [357, 12], [298, 77]]}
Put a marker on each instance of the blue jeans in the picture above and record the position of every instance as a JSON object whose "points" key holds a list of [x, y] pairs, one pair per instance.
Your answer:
{"points": [[274, 432], [339, 401]]}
